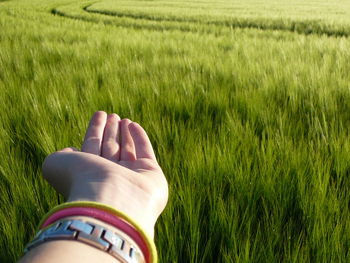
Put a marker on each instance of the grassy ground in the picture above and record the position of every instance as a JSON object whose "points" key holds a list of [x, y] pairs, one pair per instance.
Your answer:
{"points": [[246, 102]]}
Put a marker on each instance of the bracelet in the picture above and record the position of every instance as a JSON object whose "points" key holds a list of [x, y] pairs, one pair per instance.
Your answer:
{"points": [[102, 216], [91, 234], [147, 246]]}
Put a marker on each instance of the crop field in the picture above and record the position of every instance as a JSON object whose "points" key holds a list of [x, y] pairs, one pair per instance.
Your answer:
{"points": [[247, 103]]}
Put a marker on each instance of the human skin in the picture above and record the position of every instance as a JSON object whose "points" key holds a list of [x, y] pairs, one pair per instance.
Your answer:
{"points": [[117, 167]]}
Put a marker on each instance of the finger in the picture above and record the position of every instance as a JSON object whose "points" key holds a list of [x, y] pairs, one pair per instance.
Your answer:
{"points": [[110, 143], [143, 146], [127, 151], [93, 138]]}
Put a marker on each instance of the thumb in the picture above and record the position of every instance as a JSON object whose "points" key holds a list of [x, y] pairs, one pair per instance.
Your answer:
{"points": [[69, 149], [55, 169]]}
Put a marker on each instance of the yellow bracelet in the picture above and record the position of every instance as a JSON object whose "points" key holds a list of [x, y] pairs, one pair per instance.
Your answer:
{"points": [[149, 242]]}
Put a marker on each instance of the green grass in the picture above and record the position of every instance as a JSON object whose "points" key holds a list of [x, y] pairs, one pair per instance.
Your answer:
{"points": [[246, 102]]}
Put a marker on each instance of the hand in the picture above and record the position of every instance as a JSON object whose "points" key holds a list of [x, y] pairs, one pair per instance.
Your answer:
{"points": [[116, 166]]}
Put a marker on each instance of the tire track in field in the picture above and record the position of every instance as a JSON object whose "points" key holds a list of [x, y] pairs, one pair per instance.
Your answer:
{"points": [[301, 27], [159, 23], [154, 27]]}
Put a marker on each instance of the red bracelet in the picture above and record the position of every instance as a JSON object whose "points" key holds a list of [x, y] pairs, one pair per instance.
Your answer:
{"points": [[105, 217]]}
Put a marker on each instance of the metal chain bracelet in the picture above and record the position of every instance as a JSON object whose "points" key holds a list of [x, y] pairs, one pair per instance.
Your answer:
{"points": [[92, 234]]}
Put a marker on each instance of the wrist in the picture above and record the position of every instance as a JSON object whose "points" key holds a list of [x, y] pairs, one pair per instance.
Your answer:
{"points": [[116, 237], [67, 251], [86, 238], [109, 196], [57, 225], [101, 212]]}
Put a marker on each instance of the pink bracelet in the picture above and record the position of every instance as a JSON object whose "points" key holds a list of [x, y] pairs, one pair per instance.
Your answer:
{"points": [[105, 217]]}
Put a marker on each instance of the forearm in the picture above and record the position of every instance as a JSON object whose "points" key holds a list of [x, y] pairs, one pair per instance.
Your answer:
{"points": [[67, 251]]}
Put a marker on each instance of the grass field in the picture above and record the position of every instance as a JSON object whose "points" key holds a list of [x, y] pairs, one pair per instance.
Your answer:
{"points": [[246, 102]]}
